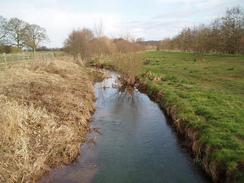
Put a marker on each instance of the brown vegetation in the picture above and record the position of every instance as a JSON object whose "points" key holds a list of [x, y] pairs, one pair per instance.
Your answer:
{"points": [[224, 35], [129, 66], [82, 44], [44, 110]]}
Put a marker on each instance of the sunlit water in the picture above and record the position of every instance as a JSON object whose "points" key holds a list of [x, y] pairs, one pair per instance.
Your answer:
{"points": [[131, 142]]}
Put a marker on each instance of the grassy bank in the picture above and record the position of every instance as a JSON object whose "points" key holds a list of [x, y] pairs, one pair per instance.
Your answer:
{"points": [[204, 95], [44, 113]]}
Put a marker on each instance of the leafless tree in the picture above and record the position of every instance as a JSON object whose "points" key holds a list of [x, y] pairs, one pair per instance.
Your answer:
{"points": [[3, 29], [224, 35], [16, 32], [232, 29], [99, 30], [102, 46], [125, 46], [78, 43], [34, 35], [139, 39]]}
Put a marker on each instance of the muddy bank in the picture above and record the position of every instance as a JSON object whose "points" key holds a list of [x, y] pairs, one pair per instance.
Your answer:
{"points": [[190, 136], [44, 113]]}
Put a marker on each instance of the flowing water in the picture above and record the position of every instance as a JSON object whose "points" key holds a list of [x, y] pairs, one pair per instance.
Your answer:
{"points": [[131, 142]]}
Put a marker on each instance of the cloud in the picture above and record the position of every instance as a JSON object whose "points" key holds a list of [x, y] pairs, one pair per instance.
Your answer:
{"points": [[59, 21], [157, 18], [184, 14]]}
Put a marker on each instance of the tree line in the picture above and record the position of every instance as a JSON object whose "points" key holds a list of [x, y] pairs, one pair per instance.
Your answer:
{"points": [[223, 35], [85, 44], [16, 34]]}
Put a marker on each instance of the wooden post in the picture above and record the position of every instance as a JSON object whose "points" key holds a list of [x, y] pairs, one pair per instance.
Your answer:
{"points": [[5, 59], [23, 56]]}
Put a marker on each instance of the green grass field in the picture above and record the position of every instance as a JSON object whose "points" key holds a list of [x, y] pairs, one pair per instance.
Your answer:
{"points": [[208, 94]]}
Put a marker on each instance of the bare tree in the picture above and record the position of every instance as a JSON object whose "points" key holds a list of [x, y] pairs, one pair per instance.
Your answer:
{"points": [[99, 30], [3, 29], [102, 46], [128, 45], [215, 37], [78, 43], [140, 39], [34, 35], [232, 29], [16, 32], [224, 35]]}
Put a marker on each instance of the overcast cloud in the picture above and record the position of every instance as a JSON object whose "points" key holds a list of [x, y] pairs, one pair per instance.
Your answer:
{"points": [[151, 19]]}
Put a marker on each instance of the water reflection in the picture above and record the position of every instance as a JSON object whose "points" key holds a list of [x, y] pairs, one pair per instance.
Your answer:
{"points": [[130, 142]]}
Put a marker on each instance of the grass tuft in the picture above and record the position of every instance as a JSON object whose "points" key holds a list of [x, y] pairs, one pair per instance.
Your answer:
{"points": [[44, 110]]}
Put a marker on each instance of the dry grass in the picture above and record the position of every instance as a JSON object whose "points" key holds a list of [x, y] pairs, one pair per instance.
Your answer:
{"points": [[44, 110], [129, 65]]}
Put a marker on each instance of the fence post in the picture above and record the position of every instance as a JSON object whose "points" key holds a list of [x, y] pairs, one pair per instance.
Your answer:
{"points": [[5, 59], [34, 56], [23, 56]]}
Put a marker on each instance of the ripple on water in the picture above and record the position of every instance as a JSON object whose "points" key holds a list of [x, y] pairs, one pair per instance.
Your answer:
{"points": [[131, 142]]}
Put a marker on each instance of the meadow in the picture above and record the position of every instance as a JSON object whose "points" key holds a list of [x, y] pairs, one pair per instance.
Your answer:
{"points": [[206, 93]]}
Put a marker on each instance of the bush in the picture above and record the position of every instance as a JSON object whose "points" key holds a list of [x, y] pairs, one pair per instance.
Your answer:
{"points": [[8, 49]]}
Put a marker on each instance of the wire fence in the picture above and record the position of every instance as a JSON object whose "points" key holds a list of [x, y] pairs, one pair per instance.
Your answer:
{"points": [[7, 60]]}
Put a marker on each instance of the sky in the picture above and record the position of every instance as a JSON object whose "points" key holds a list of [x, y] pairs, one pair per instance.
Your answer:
{"points": [[150, 19]]}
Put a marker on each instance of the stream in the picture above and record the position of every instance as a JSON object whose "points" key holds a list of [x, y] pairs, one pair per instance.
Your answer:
{"points": [[131, 142]]}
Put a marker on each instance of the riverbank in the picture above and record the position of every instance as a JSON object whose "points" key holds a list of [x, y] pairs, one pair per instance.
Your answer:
{"points": [[204, 97], [130, 141], [45, 110]]}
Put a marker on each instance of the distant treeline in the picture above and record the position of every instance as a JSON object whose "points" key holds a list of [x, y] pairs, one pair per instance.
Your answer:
{"points": [[223, 35], [16, 34], [86, 44]]}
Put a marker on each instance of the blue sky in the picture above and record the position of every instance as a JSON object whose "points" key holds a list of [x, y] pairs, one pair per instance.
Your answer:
{"points": [[151, 19]]}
